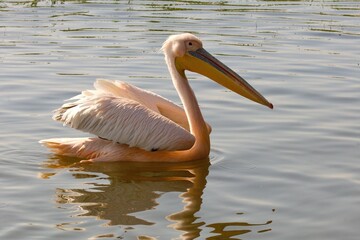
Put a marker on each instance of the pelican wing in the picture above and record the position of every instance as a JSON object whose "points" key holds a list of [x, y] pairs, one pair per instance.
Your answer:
{"points": [[131, 118], [149, 99]]}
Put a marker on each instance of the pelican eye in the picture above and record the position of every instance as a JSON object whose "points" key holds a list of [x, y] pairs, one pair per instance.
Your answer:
{"points": [[190, 44]]}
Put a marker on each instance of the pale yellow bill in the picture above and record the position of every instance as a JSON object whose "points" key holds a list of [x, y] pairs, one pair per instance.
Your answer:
{"points": [[202, 62]]}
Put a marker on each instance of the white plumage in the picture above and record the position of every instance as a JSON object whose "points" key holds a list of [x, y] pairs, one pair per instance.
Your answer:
{"points": [[132, 122], [125, 114]]}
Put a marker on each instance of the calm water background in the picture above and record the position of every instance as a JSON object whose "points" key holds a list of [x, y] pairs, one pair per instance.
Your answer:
{"points": [[288, 173]]}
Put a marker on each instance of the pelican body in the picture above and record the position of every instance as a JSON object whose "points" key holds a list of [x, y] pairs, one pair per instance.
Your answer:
{"points": [[132, 124]]}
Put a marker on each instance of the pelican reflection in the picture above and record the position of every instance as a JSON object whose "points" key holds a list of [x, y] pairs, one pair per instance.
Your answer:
{"points": [[121, 190], [130, 194]]}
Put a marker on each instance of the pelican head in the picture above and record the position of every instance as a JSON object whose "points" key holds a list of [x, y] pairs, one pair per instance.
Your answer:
{"points": [[187, 53]]}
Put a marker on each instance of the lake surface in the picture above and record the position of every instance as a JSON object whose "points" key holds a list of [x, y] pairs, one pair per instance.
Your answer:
{"points": [[288, 173]]}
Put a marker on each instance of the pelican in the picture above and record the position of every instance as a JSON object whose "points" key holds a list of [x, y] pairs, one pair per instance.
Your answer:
{"points": [[132, 124]]}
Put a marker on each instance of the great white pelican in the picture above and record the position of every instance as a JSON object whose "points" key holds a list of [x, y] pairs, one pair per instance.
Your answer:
{"points": [[132, 124]]}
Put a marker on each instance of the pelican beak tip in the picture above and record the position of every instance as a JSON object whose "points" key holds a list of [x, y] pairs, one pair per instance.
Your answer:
{"points": [[271, 106]]}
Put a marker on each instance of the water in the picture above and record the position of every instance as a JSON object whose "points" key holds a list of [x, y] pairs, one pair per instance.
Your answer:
{"points": [[287, 173]]}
